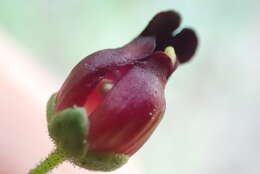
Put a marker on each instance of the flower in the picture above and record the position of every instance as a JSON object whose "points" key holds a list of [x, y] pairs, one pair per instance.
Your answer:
{"points": [[114, 99]]}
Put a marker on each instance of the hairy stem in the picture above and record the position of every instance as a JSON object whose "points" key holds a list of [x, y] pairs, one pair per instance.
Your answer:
{"points": [[54, 159]]}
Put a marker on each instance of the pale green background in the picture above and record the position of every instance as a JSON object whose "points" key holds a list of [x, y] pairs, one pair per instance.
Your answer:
{"points": [[212, 120]]}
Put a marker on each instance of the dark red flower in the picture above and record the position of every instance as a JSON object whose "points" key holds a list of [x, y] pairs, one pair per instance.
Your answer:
{"points": [[122, 90]]}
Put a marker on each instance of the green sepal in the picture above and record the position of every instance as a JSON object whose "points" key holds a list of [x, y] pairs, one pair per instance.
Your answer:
{"points": [[102, 161], [51, 107], [68, 129]]}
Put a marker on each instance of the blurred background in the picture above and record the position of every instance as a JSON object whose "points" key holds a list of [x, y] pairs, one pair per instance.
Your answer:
{"points": [[212, 120]]}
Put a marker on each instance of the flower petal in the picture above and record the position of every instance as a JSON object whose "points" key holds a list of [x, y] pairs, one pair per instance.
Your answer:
{"points": [[162, 27], [162, 23], [132, 109], [85, 76], [185, 44]]}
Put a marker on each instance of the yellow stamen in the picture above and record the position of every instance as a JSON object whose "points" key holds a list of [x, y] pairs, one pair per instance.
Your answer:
{"points": [[169, 51]]}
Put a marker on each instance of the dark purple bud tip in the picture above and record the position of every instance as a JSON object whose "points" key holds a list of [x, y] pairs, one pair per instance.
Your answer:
{"points": [[122, 90], [162, 27]]}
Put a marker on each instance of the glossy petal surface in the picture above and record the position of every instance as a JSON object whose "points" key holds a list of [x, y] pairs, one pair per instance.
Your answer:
{"points": [[132, 110]]}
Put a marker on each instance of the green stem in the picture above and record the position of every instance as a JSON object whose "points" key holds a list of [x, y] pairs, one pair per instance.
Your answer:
{"points": [[53, 160]]}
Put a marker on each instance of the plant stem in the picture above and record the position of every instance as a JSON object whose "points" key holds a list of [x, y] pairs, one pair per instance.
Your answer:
{"points": [[54, 159]]}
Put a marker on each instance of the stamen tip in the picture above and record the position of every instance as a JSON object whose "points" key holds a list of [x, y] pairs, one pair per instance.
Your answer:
{"points": [[169, 51]]}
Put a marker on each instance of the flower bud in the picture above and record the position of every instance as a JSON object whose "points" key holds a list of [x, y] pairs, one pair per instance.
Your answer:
{"points": [[114, 99]]}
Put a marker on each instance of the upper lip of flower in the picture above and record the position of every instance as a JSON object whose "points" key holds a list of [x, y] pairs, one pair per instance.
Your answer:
{"points": [[155, 37]]}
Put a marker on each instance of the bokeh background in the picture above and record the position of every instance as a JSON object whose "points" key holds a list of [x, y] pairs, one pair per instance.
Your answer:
{"points": [[212, 120]]}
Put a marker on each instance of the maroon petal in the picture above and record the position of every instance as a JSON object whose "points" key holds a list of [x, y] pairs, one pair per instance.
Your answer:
{"points": [[163, 23], [162, 27], [86, 75], [131, 110], [185, 44]]}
